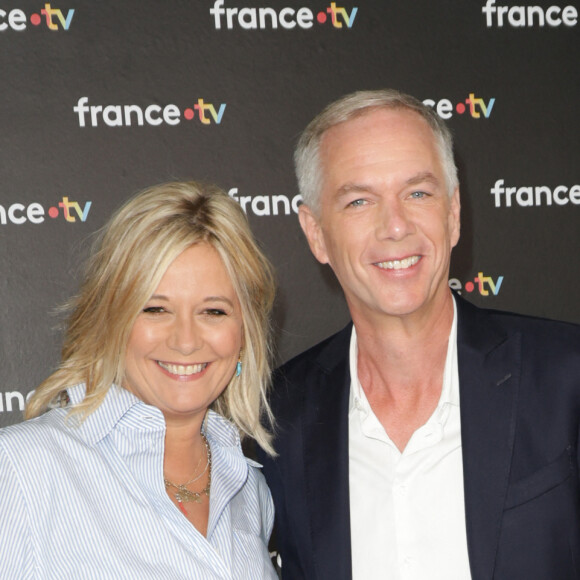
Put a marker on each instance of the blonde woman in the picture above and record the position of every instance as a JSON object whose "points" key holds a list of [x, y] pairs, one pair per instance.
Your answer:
{"points": [[130, 465]]}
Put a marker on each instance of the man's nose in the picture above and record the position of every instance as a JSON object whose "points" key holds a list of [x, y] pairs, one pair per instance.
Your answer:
{"points": [[393, 220]]}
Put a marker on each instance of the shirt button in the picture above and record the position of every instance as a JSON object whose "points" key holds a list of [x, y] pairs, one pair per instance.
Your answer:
{"points": [[402, 490]]}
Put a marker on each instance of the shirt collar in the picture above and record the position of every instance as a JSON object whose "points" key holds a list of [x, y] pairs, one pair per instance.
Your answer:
{"points": [[357, 398], [122, 407], [450, 391], [119, 405], [220, 430]]}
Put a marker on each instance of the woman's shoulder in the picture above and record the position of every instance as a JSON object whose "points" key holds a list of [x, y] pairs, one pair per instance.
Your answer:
{"points": [[37, 429], [35, 440]]}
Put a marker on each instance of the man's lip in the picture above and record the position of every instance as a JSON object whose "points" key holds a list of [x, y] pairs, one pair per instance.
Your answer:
{"points": [[398, 263]]}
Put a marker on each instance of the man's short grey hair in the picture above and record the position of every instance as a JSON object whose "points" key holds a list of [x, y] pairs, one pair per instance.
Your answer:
{"points": [[307, 154]]}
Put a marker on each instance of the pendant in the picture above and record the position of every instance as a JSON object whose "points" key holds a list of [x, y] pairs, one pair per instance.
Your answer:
{"points": [[184, 495], [182, 508]]}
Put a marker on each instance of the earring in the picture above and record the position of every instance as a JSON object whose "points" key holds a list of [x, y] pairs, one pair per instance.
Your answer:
{"points": [[239, 368]]}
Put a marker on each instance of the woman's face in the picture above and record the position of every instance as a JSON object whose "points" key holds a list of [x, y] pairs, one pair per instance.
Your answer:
{"points": [[185, 343]]}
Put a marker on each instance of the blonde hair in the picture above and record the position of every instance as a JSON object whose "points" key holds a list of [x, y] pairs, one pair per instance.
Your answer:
{"points": [[130, 257], [307, 154]]}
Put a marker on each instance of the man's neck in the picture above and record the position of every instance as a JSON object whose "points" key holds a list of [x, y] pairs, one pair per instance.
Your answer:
{"points": [[400, 367]]}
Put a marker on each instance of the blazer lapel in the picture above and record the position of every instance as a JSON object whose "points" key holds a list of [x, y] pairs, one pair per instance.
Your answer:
{"points": [[489, 375], [325, 440]]}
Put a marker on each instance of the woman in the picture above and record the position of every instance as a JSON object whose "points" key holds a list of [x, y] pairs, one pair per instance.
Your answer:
{"points": [[129, 465]]}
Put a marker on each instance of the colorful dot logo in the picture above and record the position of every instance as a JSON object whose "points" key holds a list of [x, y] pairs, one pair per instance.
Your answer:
{"points": [[206, 112], [152, 114], [486, 285], [267, 17], [34, 213], [475, 106]]}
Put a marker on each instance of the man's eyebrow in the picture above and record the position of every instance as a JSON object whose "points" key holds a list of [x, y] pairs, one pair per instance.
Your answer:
{"points": [[423, 176], [351, 187]]}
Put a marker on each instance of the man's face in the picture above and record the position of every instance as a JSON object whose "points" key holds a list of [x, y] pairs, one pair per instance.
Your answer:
{"points": [[387, 224]]}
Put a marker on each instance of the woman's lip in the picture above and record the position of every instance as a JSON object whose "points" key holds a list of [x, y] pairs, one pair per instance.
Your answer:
{"points": [[181, 370]]}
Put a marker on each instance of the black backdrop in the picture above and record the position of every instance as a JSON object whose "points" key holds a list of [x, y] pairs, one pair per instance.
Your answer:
{"points": [[183, 93]]}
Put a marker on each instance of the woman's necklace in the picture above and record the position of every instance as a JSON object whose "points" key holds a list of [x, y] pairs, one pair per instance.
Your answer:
{"points": [[184, 495]]}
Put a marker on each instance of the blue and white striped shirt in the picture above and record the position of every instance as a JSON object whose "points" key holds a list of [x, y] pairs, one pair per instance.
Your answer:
{"points": [[88, 501]]}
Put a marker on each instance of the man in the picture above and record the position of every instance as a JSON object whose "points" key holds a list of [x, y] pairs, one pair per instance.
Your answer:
{"points": [[430, 439]]}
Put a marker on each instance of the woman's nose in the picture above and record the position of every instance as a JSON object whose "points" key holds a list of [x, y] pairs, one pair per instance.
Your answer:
{"points": [[185, 336]]}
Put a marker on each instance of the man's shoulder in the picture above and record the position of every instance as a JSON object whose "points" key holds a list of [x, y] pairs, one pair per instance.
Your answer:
{"points": [[293, 378], [323, 355], [533, 329]]}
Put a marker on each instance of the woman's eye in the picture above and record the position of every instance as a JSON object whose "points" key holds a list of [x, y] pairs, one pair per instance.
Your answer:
{"points": [[215, 312], [153, 309]]}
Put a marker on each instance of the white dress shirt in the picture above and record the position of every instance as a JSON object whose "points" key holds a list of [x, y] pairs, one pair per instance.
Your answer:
{"points": [[406, 509], [89, 501]]}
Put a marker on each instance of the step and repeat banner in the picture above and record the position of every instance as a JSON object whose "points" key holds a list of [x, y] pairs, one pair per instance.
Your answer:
{"points": [[100, 99]]}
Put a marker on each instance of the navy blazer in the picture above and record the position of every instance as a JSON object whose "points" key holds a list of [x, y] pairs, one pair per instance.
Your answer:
{"points": [[520, 408]]}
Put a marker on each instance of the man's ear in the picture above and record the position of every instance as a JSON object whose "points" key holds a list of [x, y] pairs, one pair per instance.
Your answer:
{"points": [[313, 232], [454, 217]]}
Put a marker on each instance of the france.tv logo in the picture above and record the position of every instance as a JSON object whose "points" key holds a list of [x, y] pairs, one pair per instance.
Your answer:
{"points": [[485, 285], [476, 107], [53, 18], [35, 213], [204, 112], [268, 18]]}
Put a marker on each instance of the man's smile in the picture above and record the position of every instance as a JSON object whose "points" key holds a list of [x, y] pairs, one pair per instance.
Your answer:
{"points": [[399, 264]]}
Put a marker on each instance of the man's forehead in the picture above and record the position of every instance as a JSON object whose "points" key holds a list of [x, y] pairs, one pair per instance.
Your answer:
{"points": [[383, 148], [379, 132], [377, 116]]}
